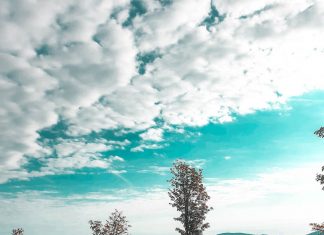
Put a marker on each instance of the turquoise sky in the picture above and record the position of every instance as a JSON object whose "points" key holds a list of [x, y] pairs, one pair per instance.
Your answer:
{"points": [[100, 97], [260, 143], [251, 144]]}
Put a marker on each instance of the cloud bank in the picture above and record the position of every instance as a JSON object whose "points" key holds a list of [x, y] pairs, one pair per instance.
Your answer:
{"points": [[202, 61]]}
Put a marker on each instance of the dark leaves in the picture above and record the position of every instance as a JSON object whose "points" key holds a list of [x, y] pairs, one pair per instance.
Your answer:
{"points": [[115, 225], [318, 227], [320, 178], [18, 231], [188, 195], [320, 132]]}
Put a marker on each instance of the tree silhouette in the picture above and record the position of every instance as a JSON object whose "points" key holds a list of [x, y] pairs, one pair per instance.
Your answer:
{"points": [[320, 178], [189, 196], [318, 227], [115, 225], [320, 132], [17, 231]]}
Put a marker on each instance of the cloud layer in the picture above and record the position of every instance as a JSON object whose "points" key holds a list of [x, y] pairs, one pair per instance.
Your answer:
{"points": [[78, 62]]}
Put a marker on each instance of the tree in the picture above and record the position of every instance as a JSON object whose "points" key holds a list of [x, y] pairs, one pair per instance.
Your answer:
{"points": [[320, 132], [115, 225], [320, 178], [188, 195], [18, 231], [318, 227]]}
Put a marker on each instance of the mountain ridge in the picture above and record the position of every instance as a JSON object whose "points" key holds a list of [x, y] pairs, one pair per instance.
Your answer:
{"points": [[313, 233]]}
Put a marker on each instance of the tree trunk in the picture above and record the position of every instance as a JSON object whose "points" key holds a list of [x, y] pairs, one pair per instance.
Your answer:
{"points": [[187, 216]]}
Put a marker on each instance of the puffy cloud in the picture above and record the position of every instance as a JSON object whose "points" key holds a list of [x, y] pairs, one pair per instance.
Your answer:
{"points": [[163, 26], [76, 62], [24, 109], [51, 66], [153, 134], [66, 156], [72, 155], [133, 106], [242, 65]]}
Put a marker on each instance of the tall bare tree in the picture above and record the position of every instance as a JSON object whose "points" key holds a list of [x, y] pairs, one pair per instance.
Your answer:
{"points": [[189, 196], [17, 231], [115, 225], [320, 178]]}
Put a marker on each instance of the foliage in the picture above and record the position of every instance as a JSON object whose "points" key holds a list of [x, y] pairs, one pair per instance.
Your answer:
{"points": [[320, 178], [18, 231], [188, 195], [115, 225], [318, 227], [320, 132]]}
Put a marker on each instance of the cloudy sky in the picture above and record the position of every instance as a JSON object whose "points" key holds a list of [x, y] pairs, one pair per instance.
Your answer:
{"points": [[99, 97]]}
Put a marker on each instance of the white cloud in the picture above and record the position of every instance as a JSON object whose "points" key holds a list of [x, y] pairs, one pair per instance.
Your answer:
{"points": [[74, 61], [143, 146], [70, 155], [117, 158], [117, 172], [129, 107], [152, 134], [227, 157], [72, 70], [78, 154], [198, 163], [160, 170], [24, 109], [163, 26]]}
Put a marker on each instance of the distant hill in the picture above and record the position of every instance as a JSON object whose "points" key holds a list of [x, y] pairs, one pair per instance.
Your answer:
{"points": [[235, 234], [315, 233]]}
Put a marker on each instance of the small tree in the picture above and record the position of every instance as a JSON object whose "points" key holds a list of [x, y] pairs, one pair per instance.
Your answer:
{"points": [[189, 196], [320, 178], [320, 132], [115, 225], [17, 231]]}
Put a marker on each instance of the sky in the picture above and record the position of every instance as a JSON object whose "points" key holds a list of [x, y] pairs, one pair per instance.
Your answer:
{"points": [[100, 97]]}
